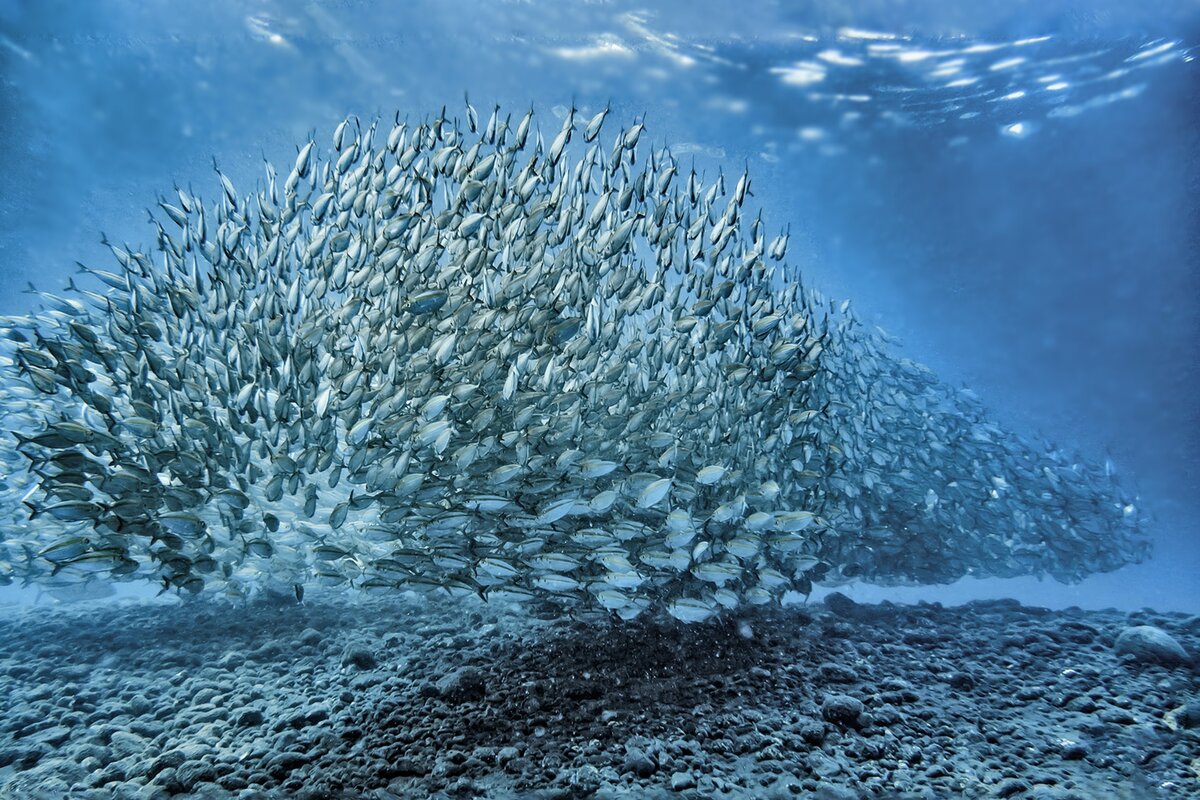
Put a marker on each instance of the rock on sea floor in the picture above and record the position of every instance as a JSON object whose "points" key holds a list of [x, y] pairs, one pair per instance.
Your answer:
{"points": [[401, 697], [1148, 643]]}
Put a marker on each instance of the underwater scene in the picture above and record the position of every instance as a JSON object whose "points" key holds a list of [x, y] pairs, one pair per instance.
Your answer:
{"points": [[535, 399]]}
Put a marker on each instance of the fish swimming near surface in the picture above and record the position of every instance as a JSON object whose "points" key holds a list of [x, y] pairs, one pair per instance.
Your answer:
{"points": [[448, 358]]}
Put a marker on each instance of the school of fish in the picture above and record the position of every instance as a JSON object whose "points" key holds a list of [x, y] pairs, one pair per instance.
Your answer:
{"points": [[450, 355]]}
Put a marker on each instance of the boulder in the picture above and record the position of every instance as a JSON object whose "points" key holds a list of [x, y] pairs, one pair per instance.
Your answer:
{"points": [[1149, 644]]}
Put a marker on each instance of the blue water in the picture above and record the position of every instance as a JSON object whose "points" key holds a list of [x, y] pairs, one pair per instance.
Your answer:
{"points": [[1012, 193]]}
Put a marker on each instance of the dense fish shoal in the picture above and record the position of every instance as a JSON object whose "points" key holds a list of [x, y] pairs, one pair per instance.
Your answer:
{"points": [[453, 355]]}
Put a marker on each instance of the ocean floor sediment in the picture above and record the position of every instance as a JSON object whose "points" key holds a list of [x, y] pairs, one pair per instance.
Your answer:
{"points": [[402, 697]]}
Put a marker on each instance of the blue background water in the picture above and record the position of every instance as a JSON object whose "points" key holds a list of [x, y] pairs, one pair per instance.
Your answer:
{"points": [[1011, 192]]}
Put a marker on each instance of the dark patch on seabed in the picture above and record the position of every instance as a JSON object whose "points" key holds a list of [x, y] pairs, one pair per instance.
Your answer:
{"points": [[458, 699]]}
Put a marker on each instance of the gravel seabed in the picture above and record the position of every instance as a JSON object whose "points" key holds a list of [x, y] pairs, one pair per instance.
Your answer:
{"points": [[411, 697]]}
